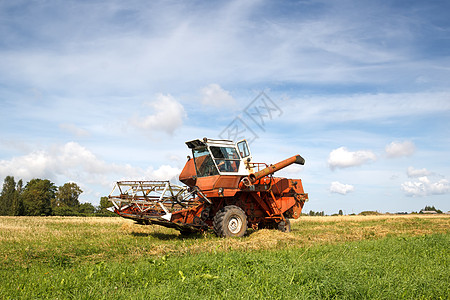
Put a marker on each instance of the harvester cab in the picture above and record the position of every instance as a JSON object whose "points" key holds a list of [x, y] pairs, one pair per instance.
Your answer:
{"points": [[219, 157], [215, 158], [224, 191]]}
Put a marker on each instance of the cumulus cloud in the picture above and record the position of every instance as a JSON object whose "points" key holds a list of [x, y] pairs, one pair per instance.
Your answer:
{"points": [[28, 166], [340, 188], [423, 186], [342, 158], [399, 149], [73, 162], [70, 160], [214, 95], [166, 114], [411, 172], [165, 172]]}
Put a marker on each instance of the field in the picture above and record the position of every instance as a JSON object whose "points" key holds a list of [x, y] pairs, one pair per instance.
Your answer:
{"points": [[377, 257]]}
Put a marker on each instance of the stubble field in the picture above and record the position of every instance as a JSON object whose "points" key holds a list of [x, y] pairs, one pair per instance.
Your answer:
{"points": [[379, 257]]}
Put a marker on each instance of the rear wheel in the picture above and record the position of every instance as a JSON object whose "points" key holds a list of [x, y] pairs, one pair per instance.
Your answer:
{"points": [[230, 221]]}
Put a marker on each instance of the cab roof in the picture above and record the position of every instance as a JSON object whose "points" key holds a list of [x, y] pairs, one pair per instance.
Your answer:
{"points": [[195, 144]]}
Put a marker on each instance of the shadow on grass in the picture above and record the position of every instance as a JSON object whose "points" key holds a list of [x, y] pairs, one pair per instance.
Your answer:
{"points": [[169, 236], [189, 235]]}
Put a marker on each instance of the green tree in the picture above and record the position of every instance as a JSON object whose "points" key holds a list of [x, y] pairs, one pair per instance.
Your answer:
{"points": [[87, 209], [38, 196], [341, 212], [7, 197], [18, 207], [105, 203], [430, 208], [318, 213], [67, 195], [103, 207], [10, 198]]}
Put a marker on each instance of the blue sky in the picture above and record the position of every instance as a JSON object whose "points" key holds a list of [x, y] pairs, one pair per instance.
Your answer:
{"points": [[98, 91]]}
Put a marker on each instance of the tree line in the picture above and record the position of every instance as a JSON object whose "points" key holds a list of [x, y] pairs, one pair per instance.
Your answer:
{"points": [[41, 197]]}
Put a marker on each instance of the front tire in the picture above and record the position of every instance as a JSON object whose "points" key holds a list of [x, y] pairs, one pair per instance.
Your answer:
{"points": [[230, 221]]}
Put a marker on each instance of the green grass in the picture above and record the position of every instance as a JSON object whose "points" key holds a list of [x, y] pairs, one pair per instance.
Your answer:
{"points": [[114, 259]]}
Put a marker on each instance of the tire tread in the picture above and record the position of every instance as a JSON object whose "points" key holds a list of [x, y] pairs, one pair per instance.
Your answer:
{"points": [[218, 221]]}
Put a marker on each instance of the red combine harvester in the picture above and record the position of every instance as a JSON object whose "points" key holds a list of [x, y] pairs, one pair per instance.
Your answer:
{"points": [[224, 190]]}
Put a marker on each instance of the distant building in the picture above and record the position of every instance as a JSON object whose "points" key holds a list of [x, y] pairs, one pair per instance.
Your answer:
{"points": [[431, 212]]}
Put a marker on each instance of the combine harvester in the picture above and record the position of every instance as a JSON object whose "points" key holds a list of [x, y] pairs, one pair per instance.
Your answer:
{"points": [[224, 190]]}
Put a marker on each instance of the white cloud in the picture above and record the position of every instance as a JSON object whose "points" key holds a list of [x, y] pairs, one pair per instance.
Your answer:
{"points": [[399, 149], [73, 162], [165, 172], [70, 160], [340, 188], [73, 129], [28, 166], [214, 95], [342, 158], [166, 115], [423, 186], [411, 172]]}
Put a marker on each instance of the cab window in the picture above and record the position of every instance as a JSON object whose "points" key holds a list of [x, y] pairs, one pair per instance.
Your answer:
{"points": [[243, 149], [204, 163], [226, 158]]}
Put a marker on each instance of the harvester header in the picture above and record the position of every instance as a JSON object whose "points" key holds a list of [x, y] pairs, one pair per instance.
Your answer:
{"points": [[224, 190]]}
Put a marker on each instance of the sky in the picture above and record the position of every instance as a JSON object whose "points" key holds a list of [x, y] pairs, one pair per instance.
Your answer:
{"points": [[93, 92]]}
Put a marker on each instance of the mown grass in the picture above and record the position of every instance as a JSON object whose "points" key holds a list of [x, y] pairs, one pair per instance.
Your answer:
{"points": [[343, 257]]}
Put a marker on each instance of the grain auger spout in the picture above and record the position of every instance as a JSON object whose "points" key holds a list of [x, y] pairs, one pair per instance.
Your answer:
{"points": [[296, 159]]}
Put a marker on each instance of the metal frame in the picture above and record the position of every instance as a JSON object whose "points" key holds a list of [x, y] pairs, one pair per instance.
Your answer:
{"points": [[144, 196]]}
